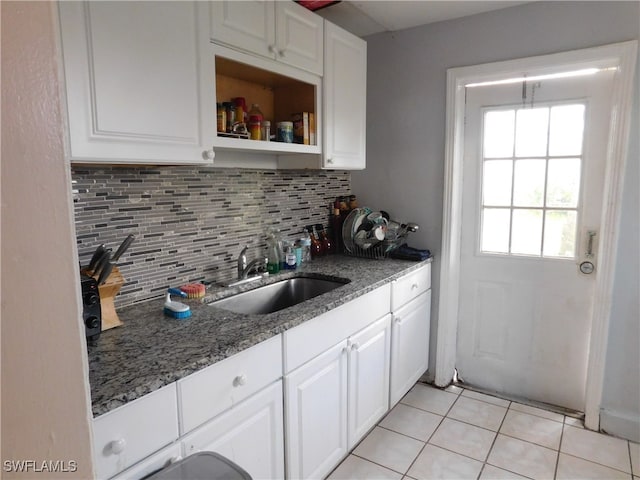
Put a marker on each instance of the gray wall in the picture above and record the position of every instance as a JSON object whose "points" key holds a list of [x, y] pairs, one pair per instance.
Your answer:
{"points": [[406, 94]]}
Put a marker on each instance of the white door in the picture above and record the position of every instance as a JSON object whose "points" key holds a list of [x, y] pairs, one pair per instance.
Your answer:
{"points": [[316, 414], [369, 358], [532, 194]]}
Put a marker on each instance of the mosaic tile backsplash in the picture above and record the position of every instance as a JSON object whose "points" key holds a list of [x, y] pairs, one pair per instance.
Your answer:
{"points": [[190, 223]]}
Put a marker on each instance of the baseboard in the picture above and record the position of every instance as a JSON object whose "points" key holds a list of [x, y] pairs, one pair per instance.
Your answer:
{"points": [[620, 424]]}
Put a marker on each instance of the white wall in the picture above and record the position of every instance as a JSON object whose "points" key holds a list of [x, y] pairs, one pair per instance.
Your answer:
{"points": [[406, 137], [46, 411]]}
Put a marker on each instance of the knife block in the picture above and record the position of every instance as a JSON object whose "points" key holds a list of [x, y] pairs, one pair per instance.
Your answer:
{"points": [[108, 291]]}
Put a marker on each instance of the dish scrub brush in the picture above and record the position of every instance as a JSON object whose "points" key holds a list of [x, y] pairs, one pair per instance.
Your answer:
{"points": [[194, 290], [176, 309]]}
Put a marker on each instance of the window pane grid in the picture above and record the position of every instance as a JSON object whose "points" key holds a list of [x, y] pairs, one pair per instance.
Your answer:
{"points": [[539, 221]]}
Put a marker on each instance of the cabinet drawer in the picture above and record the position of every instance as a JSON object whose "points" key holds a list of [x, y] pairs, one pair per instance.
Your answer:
{"points": [[410, 286], [310, 339], [129, 433], [205, 394]]}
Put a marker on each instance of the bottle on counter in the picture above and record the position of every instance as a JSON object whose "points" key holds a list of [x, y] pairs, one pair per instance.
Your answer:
{"points": [[305, 244], [336, 227], [316, 245], [273, 254], [327, 244], [290, 257]]}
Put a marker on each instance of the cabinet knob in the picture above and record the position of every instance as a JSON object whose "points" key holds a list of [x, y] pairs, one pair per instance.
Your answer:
{"points": [[240, 380], [208, 154], [272, 49], [330, 161], [117, 446], [174, 459], [281, 53], [355, 346], [397, 320], [414, 286], [345, 350]]}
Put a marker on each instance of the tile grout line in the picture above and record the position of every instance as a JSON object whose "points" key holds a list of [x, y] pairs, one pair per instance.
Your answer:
{"points": [[434, 431], [555, 472], [494, 440]]}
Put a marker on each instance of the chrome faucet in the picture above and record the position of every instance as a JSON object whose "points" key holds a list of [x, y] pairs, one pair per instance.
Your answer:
{"points": [[242, 263], [257, 265]]}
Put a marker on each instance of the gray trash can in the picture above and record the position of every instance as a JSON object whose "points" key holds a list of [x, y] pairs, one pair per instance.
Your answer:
{"points": [[202, 466]]}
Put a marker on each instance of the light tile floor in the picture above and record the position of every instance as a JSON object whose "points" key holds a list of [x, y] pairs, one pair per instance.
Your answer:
{"points": [[461, 434]]}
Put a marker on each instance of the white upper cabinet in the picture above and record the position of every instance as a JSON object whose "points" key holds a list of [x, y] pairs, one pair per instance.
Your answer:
{"points": [[299, 35], [345, 98], [137, 88], [282, 31]]}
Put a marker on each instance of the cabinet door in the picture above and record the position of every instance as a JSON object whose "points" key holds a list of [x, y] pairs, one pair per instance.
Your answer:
{"points": [[345, 96], [316, 414], [250, 434], [152, 464], [369, 356], [248, 25], [299, 34], [137, 78], [409, 345]]}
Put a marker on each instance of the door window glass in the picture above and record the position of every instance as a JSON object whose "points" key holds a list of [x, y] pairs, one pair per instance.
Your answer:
{"points": [[531, 180]]}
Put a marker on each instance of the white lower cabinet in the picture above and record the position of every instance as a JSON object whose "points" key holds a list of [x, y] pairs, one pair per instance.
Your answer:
{"points": [[155, 462], [409, 345], [334, 399], [316, 414], [249, 434], [369, 357]]}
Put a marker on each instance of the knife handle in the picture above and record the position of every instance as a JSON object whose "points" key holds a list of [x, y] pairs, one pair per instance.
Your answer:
{"points": [[104, 274], [104, 259], [97, 255], [123, 247]]}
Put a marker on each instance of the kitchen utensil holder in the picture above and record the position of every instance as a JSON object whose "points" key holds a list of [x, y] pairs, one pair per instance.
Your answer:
{"points": [[108, 291]]}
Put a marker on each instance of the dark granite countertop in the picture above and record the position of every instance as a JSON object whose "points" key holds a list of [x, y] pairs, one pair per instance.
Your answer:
{"points": [[151, 350]]}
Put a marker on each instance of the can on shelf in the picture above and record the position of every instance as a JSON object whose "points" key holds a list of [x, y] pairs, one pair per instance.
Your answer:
{"points": [[285, 132]]}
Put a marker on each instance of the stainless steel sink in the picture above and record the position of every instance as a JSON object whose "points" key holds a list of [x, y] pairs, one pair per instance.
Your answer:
{"points": [[279, 295]]}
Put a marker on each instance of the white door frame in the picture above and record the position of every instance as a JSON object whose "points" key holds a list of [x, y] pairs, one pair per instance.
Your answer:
{"points": [[620, 55]]}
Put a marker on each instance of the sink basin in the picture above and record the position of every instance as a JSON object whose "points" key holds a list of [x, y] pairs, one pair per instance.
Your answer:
{"points": [[279, 295]]}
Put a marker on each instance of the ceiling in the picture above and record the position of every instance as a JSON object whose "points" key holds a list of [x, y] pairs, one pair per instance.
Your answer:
{"points": [[366, 17]]}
